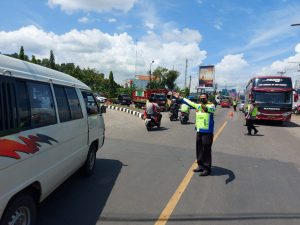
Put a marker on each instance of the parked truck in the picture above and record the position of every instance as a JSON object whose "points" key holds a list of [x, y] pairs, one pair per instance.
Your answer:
{"points": [[140, 97]]}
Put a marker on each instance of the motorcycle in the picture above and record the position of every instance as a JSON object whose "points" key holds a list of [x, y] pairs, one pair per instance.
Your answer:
{"points": [[296, 109], [173, 115], [184, 117], [152, 121]]}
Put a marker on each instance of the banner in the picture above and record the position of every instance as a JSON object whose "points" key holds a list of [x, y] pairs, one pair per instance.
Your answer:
{"points": [[206, 76]]}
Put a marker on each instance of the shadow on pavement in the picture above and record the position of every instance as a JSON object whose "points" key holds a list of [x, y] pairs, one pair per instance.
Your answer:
{"points": [[254, 135], [205, 217], [159, 129], [80, 201], [219, 171], [188, 123], [277, 124]]}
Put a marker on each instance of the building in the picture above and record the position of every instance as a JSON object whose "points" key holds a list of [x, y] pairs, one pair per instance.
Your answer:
{"points": [[139, 82]]}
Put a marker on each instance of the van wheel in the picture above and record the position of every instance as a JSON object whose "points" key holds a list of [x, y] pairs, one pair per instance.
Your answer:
{"points": [[89, 166], [21, 210]]}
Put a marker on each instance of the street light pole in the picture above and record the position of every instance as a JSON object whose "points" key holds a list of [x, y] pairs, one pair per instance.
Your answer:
{"points": [[150, 74]]}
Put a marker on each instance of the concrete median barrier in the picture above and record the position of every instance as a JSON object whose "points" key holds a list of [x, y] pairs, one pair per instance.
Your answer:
{"points": [[129, 111]]}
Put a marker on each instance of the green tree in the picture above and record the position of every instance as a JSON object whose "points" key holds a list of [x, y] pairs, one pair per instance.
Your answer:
{"points": [[45, 62], [22, 53], [186, 92], [159, 75], [170, 78], [52, 61], [33, 59], [112, 85]]}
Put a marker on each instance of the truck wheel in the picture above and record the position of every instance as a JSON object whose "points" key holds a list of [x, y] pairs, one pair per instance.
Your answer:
{"points": [[89, 166], [21, 210]]}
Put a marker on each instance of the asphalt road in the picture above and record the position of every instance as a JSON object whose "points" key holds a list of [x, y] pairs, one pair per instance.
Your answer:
{"points": [[255, 179]]}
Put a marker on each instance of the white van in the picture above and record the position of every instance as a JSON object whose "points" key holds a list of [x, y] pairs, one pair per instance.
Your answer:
{"points": [[50, 126]]}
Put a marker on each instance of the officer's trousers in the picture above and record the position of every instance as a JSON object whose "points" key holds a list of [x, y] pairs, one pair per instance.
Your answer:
{"points": [[204, 142], [250, 126]]}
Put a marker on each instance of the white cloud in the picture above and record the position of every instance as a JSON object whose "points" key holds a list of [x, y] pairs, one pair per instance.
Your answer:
{"points": [[112, 20], [124, 27], [267, 31], [232, 71], [105, 52], [149, 25], [289, 65], [218, 25], [184, 36], [92, 5], [83, 20]]}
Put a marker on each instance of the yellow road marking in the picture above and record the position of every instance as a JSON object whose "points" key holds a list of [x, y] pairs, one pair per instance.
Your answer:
{"points": [[166, 213]]}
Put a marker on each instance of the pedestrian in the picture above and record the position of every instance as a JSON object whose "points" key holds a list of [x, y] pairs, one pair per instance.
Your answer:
{"points": [[205, 132], [251, 116]]}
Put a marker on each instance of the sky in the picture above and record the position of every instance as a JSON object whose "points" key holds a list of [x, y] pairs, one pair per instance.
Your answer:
{"points": [[241, 38]]}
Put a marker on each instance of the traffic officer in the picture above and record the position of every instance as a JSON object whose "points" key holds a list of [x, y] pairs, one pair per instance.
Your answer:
{"points": [[234, 104], [251, 116], [205, 132]]}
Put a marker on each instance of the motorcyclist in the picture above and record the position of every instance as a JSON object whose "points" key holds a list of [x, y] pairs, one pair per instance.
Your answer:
{"points": [[174, 108], [185, 109], [153, 111]]}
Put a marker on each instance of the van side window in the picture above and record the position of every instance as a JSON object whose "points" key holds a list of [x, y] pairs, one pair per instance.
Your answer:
{"points": [[8, 112], [64, 111], [23, 105], [74, 103], [90, 102], [42, 106]]}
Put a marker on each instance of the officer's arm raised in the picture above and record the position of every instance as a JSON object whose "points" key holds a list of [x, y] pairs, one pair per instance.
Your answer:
{"points": [[211, 108]]}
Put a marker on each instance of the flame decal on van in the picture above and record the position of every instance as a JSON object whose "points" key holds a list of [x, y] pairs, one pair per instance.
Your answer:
{"points": [[9, 148]]}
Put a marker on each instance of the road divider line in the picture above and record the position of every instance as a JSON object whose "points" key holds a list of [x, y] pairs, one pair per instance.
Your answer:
{"points": [[168, 210]]}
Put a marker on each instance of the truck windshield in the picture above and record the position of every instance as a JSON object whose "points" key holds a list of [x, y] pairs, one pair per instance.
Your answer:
{"points": [[274, 97]]}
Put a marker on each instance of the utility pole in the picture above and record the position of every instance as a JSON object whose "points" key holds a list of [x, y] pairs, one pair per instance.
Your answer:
{"points": [[150, 74], [186, 65], [135, 57], [190, 85]]}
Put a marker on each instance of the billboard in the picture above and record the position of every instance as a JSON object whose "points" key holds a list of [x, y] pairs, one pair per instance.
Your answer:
{"points": [[206, 76]]}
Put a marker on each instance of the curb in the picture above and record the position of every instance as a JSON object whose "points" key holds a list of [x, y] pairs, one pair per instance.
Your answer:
{"points": [[129, 111]]}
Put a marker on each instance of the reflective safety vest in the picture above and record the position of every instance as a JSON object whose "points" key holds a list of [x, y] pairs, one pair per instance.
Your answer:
{"points": [[234, 103], [254, 112], [204, 120], [185, 108]]}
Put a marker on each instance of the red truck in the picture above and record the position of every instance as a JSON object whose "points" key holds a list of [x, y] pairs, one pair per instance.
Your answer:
{"points": [[159, 96]]}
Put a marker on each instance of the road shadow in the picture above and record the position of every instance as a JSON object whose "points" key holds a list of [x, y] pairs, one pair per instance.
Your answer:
{"points": [[220, 171], [188, 123], [254, 135], [158, 129], [213, 217], [80, 201], [277, 124]]}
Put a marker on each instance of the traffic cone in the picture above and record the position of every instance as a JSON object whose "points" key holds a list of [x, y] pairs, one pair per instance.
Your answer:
{"points": [[231, 114]]}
